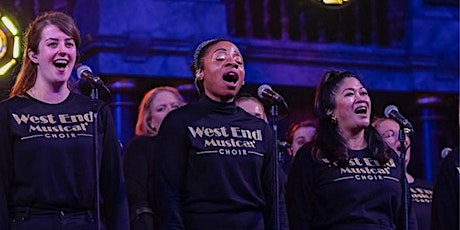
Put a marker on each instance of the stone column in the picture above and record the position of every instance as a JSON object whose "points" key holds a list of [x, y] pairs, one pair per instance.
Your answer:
{"points": [[124, 108], [429, 132]]}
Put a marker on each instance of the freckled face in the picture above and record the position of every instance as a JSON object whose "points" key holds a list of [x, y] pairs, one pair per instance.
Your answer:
{"points": [[353, 105], [56, 56], [223, 71]]}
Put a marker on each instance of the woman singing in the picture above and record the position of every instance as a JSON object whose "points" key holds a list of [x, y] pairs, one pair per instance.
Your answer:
{"points": [[347, 178]]}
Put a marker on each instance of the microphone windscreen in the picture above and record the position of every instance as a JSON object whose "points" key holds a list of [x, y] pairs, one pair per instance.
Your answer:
{"points": [[261, 89], [388, 110], [81, 69], [445, 152]]}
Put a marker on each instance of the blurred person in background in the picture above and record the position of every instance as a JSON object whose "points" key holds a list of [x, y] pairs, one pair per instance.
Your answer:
{"points": [[299, 133], [445, 206], [138, 158], [421, 190], [251, 105]]}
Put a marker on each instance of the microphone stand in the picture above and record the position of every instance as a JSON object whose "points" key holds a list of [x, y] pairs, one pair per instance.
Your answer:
{"points": [[404, 183], [95, 102], [276, 184]]}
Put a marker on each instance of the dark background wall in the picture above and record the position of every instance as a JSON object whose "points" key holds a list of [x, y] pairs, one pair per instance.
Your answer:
{"points": [[406, 52]]}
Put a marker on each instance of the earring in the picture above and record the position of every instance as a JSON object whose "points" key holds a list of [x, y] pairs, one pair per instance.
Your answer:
{"points": [[198, 75], [333, 119]]}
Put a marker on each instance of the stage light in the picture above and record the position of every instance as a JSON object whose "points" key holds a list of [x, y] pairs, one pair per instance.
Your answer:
{"points": [[16, 47], [332, 4], [11, 27], [10, 43], [7, 66]]}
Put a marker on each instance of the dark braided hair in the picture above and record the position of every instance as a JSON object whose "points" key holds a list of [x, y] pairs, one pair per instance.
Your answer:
{"points": [[197, 65]]}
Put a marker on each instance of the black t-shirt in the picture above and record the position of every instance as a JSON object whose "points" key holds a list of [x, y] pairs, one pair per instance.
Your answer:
{"points": [[215, 168], [422, 193], [47, 158], [445, 206], [137, 163], [138, 167], [361, 195]]}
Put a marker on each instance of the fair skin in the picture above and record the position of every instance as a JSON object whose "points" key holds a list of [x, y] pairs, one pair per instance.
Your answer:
{"points": [[389, 130], [252, 107], [55, 61], [352, 110], [300, 137], [160, 106], [223, 72]]}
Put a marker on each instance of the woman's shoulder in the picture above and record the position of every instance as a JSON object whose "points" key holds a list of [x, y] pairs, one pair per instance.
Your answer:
{"points": [[15, 101], [185, 110]]}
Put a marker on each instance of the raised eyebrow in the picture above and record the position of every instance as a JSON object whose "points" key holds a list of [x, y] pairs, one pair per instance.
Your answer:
{"points": [[56, 39], [52, 39], [348, 89], [223, 49], [220, 49], [353, 89]]}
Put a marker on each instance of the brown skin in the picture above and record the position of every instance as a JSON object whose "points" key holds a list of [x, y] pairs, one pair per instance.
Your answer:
{"points": [[351, 97], [222, 72]]}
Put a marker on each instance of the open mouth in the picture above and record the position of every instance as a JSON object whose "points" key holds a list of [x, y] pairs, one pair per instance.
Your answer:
{"points": [[60, 63], [361, 110], [231, 77]]}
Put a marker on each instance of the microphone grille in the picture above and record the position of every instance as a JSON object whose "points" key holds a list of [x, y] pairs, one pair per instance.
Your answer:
{"points": [[81, 69], [445, 152], [261, 89], [388, 110]]}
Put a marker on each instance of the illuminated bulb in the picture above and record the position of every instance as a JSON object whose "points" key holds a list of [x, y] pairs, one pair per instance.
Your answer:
{"points": [[333, 2], [10, 25], [7, 66], [16, 47]]}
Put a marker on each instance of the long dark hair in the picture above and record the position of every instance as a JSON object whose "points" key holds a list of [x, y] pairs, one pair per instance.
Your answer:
{"points": [[329, 143]]}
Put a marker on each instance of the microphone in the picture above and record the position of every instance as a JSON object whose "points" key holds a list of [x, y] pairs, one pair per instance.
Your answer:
{"points": [[445, 152], [86, 73], [266, 92], [392, 112]]}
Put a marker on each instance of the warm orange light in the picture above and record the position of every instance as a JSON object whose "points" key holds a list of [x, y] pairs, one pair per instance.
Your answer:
{"points": [[333, 2]]}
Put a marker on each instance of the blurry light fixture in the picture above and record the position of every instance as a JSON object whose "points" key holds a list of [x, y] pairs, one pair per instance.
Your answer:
{"points": [[332, 4], [11, 27], [9, 44], [4, 68]]}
